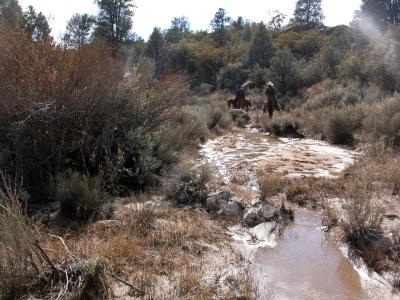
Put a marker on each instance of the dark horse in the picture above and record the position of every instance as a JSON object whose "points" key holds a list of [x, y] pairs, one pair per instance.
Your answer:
{"points": [[244, 104]]}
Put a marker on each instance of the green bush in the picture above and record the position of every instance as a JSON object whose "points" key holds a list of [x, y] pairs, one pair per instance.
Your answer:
{"points": [[216, 116], [231, 76], [186, 129]]}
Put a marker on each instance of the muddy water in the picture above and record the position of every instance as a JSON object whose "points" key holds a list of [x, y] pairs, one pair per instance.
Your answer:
{"points": [[304, 265]]}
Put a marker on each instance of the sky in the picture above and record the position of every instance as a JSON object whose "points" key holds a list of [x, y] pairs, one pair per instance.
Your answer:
{"points": [[152, 13]]}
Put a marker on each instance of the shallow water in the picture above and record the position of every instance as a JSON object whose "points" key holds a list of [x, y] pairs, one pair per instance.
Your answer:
{"points": [[302, 263], [305, 265]]}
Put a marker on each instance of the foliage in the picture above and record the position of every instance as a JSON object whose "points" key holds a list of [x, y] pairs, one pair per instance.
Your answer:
{"points": [[179, 27], [156, 49], [78, 30], [80, 196], [219, 24], [17, 238], [339, 129], [275, 24], [186, 187], [114, 20], [383, 121], [284, 70], [382, 13], [270, 185], [10, 13], [36, 25], [232, 76], [261, 49], [308, 14], [240, 117]]}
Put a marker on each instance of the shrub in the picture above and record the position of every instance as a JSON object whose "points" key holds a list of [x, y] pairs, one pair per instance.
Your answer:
{"points": [[270, 185], [216, 116], [187, 128], [231, 76], [363, 228], [240, 117], [18, 235], [339, 128], [74, 109], [94, 282], [383, 120], [80, 196], [187, 187], [282, 125]]}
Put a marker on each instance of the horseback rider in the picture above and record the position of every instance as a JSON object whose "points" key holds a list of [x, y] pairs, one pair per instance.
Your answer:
{"points": [[240, 97], [271, 102]]}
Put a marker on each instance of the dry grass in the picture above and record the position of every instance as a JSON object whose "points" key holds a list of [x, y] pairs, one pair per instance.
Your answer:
{"points": [[145, 243], [282, 124], [270, 185], [310, 190]]}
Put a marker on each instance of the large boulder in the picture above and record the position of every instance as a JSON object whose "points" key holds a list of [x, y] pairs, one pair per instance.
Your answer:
{"points": [[224, 202], [232, 209], [250, 217], [259, 212]]}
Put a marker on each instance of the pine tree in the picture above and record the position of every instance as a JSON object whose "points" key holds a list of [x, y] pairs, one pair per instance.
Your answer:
{"points": [[261, 49], [179, 27], [78, 30], [284, 69], [36, 25], [219, 24], [10, 13], [114, 21], [381, 12], [276, 22], [156, 49], [308, 14]]}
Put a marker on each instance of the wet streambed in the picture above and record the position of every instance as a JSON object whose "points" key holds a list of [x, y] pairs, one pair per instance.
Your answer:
{"points": [[302, 263]]}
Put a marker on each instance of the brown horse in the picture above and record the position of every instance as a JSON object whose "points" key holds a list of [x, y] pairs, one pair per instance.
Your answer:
{"points": [[246, 104]]}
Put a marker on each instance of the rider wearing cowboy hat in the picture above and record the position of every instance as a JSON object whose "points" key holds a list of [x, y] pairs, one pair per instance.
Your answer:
{"points": [[271, 102]]}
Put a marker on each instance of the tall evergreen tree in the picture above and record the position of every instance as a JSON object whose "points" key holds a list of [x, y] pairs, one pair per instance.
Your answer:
{"points": [[78, 30], [308, 14], [276, 22], [284, 69], [238, 24], [156, 49], [261, 48], [179, 27], [10, 13], [114, 21], [219, 24], [381, 12], [36, 25]]}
